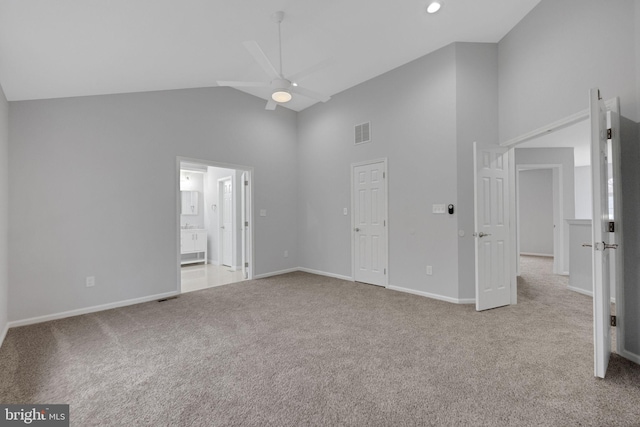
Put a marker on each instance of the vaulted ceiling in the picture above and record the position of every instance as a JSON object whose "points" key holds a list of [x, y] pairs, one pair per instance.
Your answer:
{"points": [[64, 48]]}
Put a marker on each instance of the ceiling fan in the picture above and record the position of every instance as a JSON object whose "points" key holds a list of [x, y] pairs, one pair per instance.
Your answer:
{"points": [[282, 88]]}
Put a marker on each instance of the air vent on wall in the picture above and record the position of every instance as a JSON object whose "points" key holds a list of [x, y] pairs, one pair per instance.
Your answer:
{"points": [[363, 133]]}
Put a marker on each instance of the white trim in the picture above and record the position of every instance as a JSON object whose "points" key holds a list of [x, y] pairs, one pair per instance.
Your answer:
{"points": [[587, 293], [384, 161], [87, 310], [276, 273], [3, 334], [631, 356], [433, 296], [557, 125], [580, 291], [536, 254], [324, 273]]}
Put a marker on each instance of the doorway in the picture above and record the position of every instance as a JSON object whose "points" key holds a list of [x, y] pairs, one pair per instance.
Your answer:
{"points": [[214, 224]]}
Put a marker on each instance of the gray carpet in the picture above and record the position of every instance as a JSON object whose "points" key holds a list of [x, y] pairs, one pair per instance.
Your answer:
{"points": [[301, 349]]}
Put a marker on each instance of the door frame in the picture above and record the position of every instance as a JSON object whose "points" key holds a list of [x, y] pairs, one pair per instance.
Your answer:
{"points": [[612, 104], [250, 250], [384, 162], [220, 185], [558, 213]]}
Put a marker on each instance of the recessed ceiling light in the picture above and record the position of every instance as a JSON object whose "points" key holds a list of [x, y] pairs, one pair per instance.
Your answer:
{"points": [[434, 6]]}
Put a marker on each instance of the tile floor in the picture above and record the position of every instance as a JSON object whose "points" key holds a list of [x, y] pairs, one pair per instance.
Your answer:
{"points": [[200, 276]]}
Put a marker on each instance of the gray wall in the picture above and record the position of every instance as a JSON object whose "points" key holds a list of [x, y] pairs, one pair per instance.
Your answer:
{"points": [[547, 64], [413, 124], [535, 191], [76, 176], [583, 196], [560, 50], [4, 212], [424, 117], [477, 121]]}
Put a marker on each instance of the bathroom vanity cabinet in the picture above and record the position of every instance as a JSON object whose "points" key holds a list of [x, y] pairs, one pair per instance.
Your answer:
{"points": [[193, 241]]}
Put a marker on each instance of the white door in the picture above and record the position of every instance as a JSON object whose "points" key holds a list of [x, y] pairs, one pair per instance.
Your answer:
{"points": [[369, 197], [227, 223], [491, 204], [600, 231], [245, 200]]}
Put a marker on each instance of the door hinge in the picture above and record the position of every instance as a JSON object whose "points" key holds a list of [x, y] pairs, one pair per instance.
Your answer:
{"points": [[609, 132], [384, 222], [246, 223], [246, 264], [384, 175], [614, 321], [612, 227], [385, 271], [246, 183]]}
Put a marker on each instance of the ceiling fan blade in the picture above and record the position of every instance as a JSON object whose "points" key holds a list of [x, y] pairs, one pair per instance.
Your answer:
{"points": [[271, 105], [241, 84], [308, 71], [309, 93], [258, 54]]}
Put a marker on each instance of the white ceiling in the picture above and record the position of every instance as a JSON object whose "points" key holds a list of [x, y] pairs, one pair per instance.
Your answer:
{"points": [[63, 48], [576, 136]]}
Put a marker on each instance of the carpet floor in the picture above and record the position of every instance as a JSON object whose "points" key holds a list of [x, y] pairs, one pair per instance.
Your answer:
{"points": [[301, 349]]}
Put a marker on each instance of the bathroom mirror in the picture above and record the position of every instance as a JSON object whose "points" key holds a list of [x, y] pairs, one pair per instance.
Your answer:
{"points": [[189, 202]]}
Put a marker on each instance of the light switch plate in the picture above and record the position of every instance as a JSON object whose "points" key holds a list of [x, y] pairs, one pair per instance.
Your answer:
{"points": [[344, 211], [263, 212], [439, 209]]}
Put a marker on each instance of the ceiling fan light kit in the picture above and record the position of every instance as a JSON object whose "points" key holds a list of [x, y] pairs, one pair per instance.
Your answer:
{"points": [[281, 96], [282, 89]]}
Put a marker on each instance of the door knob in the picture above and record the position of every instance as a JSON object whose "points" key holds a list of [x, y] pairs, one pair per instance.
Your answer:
{"points": [[587, 245], [612, 246], [357, 229], [481, 234]]}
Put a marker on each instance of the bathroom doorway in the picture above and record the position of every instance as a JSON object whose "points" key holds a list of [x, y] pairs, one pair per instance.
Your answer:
{"points": [[214, 224]]}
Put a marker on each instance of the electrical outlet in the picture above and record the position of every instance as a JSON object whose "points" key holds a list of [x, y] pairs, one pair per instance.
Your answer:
{"points": [[429, 270], [263, 212], [286, 254], [90, 281], [345, 211]]}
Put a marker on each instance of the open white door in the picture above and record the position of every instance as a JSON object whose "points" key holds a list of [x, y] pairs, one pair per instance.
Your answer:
{"points": [[245, 208], [491, 205], [600, 231]]}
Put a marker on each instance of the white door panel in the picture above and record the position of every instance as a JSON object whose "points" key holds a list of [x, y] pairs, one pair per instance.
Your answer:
{"points": [[227, 223], [370, 245], [600, 241], [492, 236]]}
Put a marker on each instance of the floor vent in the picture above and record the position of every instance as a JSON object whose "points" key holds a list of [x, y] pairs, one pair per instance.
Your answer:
{"points": [[363, 133]]}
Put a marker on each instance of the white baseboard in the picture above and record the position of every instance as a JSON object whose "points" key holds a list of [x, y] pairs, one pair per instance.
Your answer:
{"points": [[580, 291], [631, 356], [3, 333], [275, 273], [433, 296], [324, 273], [587, 293], [95, 308], [536, 254]]}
